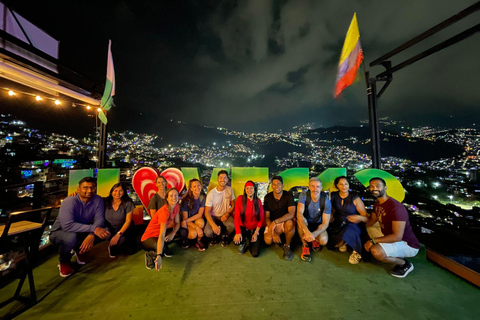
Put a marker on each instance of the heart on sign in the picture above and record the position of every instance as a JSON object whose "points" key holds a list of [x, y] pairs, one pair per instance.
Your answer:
{"points": [[143, 183], [174, 178]]}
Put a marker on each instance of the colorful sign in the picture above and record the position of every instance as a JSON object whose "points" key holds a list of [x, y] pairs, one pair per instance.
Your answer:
{"points": [[144, 179], [190, 173], [240, 175], [213, 178], [143, 182], [106, 178], [74, 178], [174, 178], [394, 187]]}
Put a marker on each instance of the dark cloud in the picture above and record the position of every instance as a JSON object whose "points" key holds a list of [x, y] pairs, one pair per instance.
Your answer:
{"points": [[263, 65]]}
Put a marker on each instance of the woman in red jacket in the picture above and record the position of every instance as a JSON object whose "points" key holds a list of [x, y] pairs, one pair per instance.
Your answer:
{"points": [[249, 220]]}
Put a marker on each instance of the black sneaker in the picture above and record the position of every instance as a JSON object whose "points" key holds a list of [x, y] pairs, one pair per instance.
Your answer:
{"points": [[200, 245], [214, 241], [287, 253], [242, 247], [225, 240], [402, 271], [166, 251], [149, 260], [185, 243]]}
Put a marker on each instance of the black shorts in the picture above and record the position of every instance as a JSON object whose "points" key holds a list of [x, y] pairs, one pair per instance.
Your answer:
{"points": [[313, 226]]}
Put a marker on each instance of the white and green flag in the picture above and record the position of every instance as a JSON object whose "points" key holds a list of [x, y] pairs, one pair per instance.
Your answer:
{"points": [[107, 99]]}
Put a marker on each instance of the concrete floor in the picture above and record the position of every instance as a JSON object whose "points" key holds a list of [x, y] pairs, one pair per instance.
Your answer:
{"points": [[220, 284]]}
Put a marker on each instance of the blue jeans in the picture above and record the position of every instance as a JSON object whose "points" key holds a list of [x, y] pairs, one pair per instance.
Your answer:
{"points": [[68, 241]]}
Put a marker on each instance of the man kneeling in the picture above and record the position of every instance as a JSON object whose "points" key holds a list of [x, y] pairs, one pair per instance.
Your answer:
{"points": [[78, 225], [279, 207], [313, 217], [398, 241]]}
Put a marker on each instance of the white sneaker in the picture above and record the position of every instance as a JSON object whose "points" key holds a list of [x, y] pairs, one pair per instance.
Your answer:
{"points": [[355, 258], [343, 248]]}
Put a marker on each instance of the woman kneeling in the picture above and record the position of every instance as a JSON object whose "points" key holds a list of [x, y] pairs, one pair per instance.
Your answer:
{"points": [[161, 230], [193, 207], [249, 219]]}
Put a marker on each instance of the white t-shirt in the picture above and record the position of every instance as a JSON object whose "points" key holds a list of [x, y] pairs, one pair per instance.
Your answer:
{"points": [[219, 201]]}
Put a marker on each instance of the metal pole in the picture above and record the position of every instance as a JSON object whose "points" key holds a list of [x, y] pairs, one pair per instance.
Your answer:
{"points": [[102, 145], [37, 194], [372, 113]]}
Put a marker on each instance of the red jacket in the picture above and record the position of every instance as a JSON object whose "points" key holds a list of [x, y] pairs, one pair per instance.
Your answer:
{"points": [[248, 220]]}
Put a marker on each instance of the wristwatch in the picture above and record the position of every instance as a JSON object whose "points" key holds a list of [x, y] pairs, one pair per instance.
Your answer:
{"points": [[120, 233]]}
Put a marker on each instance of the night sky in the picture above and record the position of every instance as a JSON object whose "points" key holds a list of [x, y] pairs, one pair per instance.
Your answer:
{"points": [[262, 65]]}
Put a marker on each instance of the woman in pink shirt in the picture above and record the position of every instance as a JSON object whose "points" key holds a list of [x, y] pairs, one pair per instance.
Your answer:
{"points": [[249, 219]]}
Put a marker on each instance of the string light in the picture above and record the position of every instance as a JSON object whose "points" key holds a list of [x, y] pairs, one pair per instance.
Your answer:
{"points": [[39, 98]]}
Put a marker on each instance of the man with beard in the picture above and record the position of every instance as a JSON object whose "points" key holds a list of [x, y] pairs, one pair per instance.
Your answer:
{"points": [[398, 239], [219, 207]]}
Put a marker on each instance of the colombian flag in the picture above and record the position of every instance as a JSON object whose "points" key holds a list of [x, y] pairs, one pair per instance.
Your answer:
{"points": [[351, 58]]}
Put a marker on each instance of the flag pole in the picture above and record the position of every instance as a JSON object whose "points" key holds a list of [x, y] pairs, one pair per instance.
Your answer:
{"points": [[373, 119], [102, 144]]}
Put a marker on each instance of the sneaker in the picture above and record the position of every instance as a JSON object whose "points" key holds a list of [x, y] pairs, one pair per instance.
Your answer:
{"points": [[110, 253], [225, 240], [306, 254], [402, 271], [316, 246], [200, 245], [166, 251], [242, 247], [80, 257], [185, 244], [287, 253], [355, 257], [214, 241], [149, 260], [343, 248], [65, 269]]}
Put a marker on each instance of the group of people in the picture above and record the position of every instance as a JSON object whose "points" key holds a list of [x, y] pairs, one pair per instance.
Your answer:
{"points": [[200, 219]]}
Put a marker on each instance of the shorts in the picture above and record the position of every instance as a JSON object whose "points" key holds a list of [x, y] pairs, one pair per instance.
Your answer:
{"points": [[313, 226], [279, 225], [398, 249]]}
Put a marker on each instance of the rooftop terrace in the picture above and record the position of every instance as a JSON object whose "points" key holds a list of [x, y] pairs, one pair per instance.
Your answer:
{"points": [[219, 284]]}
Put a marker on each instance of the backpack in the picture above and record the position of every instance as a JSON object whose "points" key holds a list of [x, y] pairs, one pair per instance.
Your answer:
{"points": [[323, 196]]}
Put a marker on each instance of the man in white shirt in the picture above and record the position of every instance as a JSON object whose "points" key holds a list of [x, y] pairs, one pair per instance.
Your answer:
{"points": [[219, 208]]}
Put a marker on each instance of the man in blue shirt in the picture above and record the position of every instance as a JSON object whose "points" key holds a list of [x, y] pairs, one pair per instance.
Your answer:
{"points": [[313, 217], [80, 220]]}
